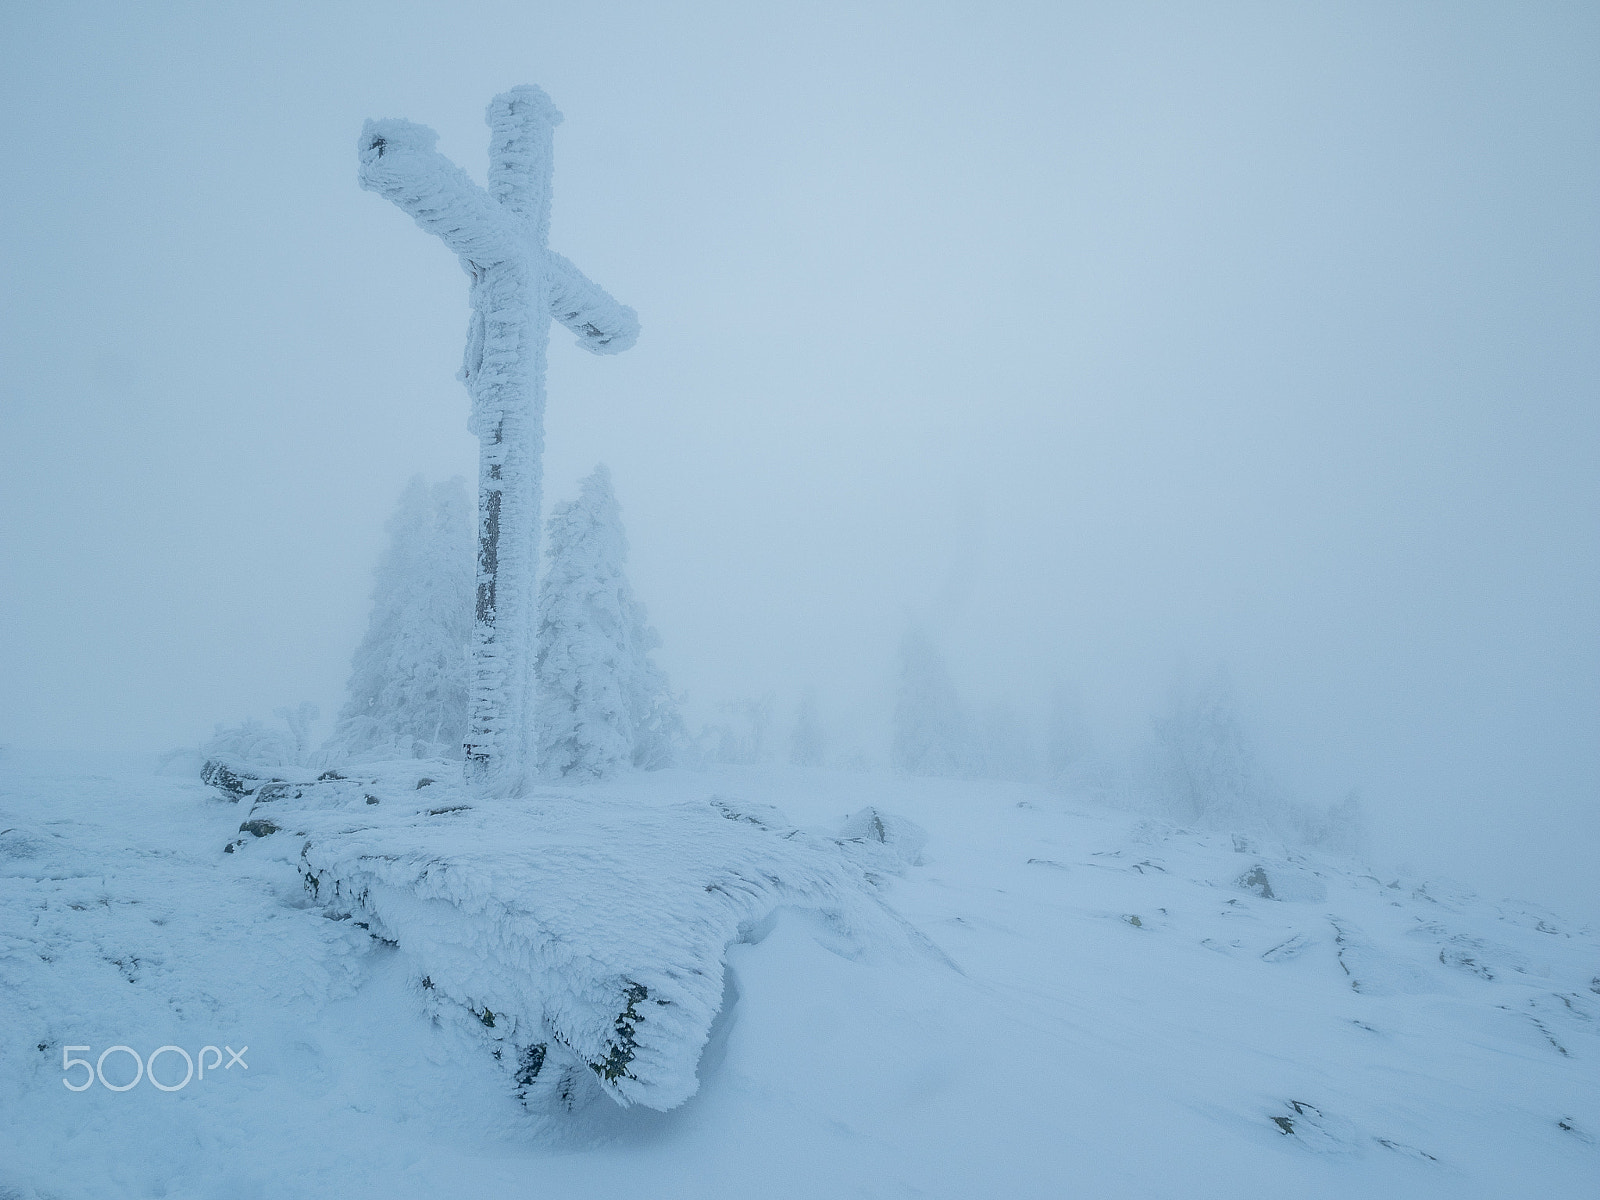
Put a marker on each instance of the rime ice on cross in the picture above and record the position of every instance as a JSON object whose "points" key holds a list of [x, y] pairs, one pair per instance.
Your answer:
{"points": [[518, 285]]}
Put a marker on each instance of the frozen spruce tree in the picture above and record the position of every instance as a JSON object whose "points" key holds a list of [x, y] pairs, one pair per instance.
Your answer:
{"points": [[601, 702], [932, 735], [409, 678]]}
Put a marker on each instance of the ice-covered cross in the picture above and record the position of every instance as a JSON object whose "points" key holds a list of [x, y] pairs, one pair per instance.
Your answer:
{"points": [[518, 285]]}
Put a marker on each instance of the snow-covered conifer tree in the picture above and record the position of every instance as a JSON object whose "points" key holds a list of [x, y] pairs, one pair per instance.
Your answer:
{"points": [[601, 701], [931, 733], [409, 677], [658, 728]]}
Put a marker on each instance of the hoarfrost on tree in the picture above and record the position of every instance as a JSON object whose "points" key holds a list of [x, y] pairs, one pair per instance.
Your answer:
{"points": [[409, 677], [602, 702], [253, 746], [1200, 768]]}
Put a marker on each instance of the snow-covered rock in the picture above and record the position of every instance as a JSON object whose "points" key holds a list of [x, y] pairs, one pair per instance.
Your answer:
{"points": [[585, 937]]}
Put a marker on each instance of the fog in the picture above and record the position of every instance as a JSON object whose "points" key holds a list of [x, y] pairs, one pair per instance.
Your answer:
{"points": [[1103, 341]]}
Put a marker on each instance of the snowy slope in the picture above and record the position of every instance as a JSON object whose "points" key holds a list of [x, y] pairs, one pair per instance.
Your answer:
{"points": [[1343, 1038]]}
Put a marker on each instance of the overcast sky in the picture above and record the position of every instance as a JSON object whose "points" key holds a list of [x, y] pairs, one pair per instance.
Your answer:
{"points": [[1100, 339]]}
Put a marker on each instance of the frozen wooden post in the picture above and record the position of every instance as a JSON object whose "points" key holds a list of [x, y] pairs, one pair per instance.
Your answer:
{"points": [[518, 284]]}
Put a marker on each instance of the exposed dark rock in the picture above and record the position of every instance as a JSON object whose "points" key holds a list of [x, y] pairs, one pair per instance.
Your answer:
{"points": [[869, 824], [1255, 880], [1454, 956], [1402, 1148], [1572, 1127], [1286, 949], [236, 785], [529, 1063], [615, 1063], [1301, 1109]]}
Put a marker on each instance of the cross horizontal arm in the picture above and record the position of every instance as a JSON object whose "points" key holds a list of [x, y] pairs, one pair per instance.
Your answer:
{"points": [[399, 162], [603, 326]]}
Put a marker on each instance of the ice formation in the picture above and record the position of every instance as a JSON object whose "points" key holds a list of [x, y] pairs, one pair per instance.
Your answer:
{"points": [[518, 286]]}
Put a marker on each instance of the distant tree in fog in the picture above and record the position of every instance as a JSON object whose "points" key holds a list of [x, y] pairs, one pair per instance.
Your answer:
{"points": [[1341, 828], [1200, 768], [1199, 765], [744, 736], [807, 743], [407, 694], [250, 745], [931, 732]]}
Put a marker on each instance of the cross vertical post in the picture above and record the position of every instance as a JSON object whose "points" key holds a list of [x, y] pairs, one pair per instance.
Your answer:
{"points": [[517, 286]]}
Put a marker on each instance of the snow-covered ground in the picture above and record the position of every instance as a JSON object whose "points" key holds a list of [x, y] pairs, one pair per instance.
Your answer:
{"points": [[1108, 1007]]}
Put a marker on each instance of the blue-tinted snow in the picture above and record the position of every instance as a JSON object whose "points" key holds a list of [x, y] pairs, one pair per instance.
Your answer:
{"points": [[1123, 1012]]}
